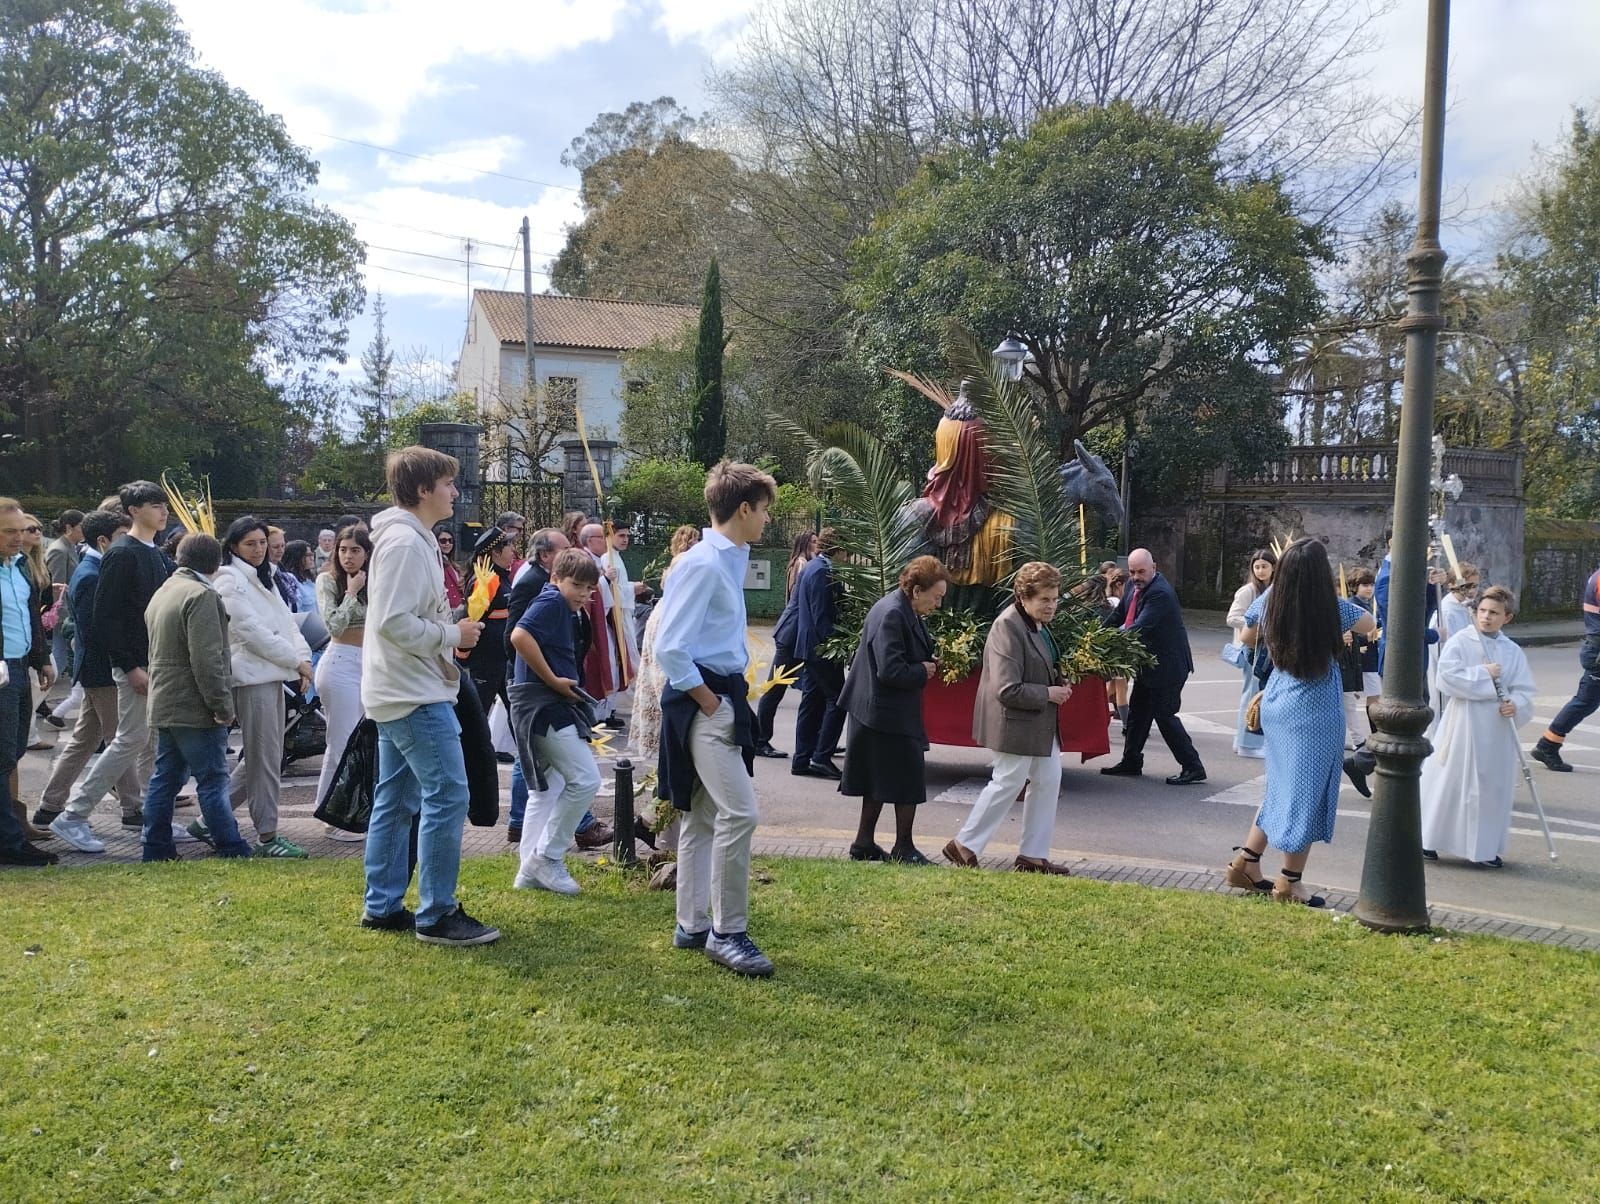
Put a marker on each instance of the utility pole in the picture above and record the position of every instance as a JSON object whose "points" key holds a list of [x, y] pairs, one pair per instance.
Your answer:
{"points": [[529, 379], [1393, 892]]}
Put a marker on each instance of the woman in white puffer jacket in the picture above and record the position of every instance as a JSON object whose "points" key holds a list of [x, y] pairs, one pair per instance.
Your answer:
{"points": [[268, 651]]}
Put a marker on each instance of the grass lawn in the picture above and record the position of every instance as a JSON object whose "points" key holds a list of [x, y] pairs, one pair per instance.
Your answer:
{"points": [[227, 1032]]}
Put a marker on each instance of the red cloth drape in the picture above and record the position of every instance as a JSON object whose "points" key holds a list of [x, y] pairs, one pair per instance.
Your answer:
{"points": [[597, 661], [1083, 723]]}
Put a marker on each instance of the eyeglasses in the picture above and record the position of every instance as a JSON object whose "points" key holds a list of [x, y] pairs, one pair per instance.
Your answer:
{"points": [[30, 530]]}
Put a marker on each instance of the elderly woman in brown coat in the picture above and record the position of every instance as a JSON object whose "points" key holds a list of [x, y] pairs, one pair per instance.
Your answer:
{"points": [[1018, 700]]}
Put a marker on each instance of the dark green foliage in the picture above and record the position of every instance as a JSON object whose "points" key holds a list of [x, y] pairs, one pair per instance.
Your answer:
{"points": [[710, 438]]}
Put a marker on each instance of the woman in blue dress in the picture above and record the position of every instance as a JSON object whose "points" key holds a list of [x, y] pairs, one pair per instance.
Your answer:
{"points": [[1302, 715]]}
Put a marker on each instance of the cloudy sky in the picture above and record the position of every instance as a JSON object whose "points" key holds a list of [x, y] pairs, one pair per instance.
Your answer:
{"points": [[492, 91]]}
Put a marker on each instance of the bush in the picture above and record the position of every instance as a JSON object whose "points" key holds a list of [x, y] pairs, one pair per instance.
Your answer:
{"points": [[666, 492]]}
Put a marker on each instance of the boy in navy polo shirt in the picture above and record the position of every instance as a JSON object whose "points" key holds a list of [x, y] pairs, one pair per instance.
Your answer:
{"points": [[552, 723]]}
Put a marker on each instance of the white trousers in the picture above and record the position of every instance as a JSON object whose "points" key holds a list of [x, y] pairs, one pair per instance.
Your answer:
{"points": [[1011, 770], [338, 682], [572, 776], [714, 844]]}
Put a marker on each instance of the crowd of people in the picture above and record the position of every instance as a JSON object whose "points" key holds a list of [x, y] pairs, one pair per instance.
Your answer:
{"points": [[169, 652]]}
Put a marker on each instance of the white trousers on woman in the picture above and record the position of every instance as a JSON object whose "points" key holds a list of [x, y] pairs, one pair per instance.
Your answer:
{"points": [[338, 682], [1011, 770]]}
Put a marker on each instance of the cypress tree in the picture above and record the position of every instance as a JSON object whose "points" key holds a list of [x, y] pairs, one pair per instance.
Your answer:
{"points": [[710, 431]]}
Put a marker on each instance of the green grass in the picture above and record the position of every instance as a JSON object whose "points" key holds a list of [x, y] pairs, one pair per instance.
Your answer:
{"points": [[223, 1031]]}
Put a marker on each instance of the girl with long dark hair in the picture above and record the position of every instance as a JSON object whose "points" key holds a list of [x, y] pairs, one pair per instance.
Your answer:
{"points": [[1303, 621], [342, 602], [1258, 576], [268, 651]]}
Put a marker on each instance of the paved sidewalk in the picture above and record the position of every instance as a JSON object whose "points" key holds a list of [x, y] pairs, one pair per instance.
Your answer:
{"points": [[122, 847]]}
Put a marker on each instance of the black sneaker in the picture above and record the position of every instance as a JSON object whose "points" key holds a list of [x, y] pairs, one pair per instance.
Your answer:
{"points": [[43, 711], [513, 833], [739, 953], [133, 819], [26, 854], [42, 817], [396, 921], [458, 928]]}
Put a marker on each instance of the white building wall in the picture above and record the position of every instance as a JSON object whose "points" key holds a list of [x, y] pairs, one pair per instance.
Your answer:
{"points": [[601, 391], [478, 369]]}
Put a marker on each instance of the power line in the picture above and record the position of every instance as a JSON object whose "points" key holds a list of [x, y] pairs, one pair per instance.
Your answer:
{"points": [[477, 171]]}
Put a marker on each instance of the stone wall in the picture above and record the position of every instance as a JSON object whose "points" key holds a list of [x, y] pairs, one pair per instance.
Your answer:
{"points": [[1343, 496]]}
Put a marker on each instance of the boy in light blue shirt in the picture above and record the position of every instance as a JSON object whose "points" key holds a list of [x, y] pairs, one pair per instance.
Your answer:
{"points": [[708, 732]]}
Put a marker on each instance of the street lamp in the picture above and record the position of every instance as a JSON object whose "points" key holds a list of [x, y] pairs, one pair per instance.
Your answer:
{"points": [[1393, 891], [1010, 355]]}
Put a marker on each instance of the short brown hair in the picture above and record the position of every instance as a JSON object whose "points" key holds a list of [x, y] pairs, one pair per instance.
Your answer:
{"points": [[1362, 576], [1036, 577], [10, 503], [412, 469], [1502, 595], [923, 572], [200, 552], [730, 485], [574, 564]]}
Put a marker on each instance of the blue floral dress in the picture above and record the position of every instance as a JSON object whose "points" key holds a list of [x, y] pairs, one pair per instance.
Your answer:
{"points": [[1304, 726]]}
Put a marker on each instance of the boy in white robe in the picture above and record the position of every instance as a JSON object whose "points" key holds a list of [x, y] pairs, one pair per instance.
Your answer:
{"points": [[1470, 780]]}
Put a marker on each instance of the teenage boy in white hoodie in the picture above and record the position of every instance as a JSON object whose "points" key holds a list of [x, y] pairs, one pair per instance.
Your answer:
{"points": [[409, 684]]}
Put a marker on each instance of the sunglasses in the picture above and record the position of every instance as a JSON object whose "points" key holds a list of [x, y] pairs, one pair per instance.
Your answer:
{"points": [[447, 539], [31, 530]]}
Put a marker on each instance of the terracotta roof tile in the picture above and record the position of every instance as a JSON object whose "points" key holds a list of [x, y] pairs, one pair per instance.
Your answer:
{"points": [[585, 321]]}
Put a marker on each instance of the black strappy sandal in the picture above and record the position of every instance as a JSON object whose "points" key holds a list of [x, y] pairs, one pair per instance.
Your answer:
{"points": [[1283, 890], [1237, 873]]}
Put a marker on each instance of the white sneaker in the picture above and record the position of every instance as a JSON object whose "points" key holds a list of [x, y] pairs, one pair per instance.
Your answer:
{"points": [[547, 875], [182, 835], [76, 832], [344, 837]]}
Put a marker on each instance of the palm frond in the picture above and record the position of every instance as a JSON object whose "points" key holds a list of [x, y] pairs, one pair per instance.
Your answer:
{"points": [[1024, 476], [931, 389]]}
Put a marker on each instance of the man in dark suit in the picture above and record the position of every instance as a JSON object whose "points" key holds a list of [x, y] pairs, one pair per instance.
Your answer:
{"points": [[821, 721], [1150, 609]]}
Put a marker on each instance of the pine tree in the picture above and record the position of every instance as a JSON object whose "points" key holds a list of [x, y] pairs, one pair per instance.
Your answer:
{"points": [[710, 436], [377, 391]]}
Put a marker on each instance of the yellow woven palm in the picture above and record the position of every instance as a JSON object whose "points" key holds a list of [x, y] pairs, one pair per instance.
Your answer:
{"points": [[484, 583]]}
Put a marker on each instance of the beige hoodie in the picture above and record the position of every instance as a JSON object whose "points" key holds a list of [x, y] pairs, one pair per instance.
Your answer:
{"points": [[406, 661]]}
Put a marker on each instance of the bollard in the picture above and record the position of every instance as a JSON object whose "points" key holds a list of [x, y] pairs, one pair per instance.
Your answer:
{"points": [[622, 819]]}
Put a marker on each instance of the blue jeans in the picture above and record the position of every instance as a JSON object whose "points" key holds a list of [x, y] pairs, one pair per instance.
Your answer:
{"points": [[1587, 699], [420, 772], [16, 720], [519, 801], [182, 752]]}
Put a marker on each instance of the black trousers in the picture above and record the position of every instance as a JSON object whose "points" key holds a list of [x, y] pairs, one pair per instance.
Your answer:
{"points": [[16, 720], [1158, 704], [821, 721], [1587, 699], [767, 709]]}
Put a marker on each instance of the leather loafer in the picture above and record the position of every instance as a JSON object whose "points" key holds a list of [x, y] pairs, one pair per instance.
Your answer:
{"points": [[869, 852], [825, 769], [1122, 769], [1357, 766], [957, 852], [1187, 777], [766, 750], [911, 856], [1040, 865]]}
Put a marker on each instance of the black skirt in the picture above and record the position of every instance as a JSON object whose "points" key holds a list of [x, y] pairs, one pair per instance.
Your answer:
{"points": [[883, 766]]}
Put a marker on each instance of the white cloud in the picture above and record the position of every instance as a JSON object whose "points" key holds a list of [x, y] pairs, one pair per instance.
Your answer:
{"points": [[714, 24], [456, 163], [368, 65]]}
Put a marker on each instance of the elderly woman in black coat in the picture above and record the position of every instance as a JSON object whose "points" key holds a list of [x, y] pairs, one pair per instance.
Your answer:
{"points": [[882, 696]]}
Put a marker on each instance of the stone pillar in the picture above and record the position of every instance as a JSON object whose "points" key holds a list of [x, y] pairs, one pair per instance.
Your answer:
{"points": [[461, 440], [577, 483]]}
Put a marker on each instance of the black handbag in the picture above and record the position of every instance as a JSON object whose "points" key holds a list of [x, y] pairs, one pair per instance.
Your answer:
{"points": [[477, 753], [348, 803]]}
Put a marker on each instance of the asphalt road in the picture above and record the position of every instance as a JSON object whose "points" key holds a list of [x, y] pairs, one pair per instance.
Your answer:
{"points": [[1145, 820]]}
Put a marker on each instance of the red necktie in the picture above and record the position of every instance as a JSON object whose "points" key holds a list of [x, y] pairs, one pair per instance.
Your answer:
{"points": [[1133, 608]]}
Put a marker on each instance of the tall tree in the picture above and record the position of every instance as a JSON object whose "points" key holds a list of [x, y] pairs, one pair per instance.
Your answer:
{"points": [[710, 419], [162, 268], [1109, 242]]}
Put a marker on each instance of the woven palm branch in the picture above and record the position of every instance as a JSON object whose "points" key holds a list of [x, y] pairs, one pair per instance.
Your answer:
{"points": [[1024, 476]]}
